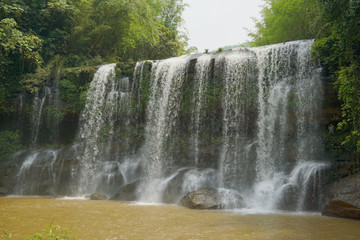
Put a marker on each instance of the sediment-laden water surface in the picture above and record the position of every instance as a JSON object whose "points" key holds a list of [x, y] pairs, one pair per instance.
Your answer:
{"points": [[117, 220]]}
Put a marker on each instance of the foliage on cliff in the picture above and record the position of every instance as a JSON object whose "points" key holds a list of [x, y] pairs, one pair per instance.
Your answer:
{"points": [[82, 33], [335, 24], [339, 51], [9, 143]]}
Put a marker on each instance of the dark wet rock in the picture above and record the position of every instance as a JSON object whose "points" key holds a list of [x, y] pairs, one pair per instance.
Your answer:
{"points": [[342, 197], [204, 198], [212, 198], [127, 192], [341, 209], [230, 199], [9, 170], [3, 191], [289, 198], [187, 180], [97, 196], [173, 191], [346, 189]]}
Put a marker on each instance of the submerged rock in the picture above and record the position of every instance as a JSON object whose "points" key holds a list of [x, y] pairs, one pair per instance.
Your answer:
{"points": [[97, 196], [211, 198]]}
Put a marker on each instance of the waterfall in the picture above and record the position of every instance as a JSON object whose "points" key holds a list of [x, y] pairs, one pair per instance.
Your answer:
{"points": [[36, 113], [244, 121], [37, 173], [105, 98], [286, 92], [271, 99], [162, 111], [45, 109], [202, 76], [238, 104]]}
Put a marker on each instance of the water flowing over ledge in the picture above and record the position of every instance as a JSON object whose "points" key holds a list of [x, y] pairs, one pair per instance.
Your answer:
{"points": [[245, 122]]}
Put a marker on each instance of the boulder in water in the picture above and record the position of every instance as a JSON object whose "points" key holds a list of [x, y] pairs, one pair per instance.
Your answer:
{"points": [[3, 191], [97, 196], [211, 198], [127, 192], [289, 198], [343, 198], [341, 209]]}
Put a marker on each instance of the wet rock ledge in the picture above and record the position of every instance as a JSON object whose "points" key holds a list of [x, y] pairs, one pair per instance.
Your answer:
{"points": [[343, 198]]}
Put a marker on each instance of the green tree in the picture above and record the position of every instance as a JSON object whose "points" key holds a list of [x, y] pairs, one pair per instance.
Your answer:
{"points": [[9, 144], [50, 20], [339, 52], [124, 29], [82, 32], [287, 20], [19, 54]]}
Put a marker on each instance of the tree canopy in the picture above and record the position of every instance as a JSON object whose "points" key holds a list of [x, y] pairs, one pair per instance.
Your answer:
{"points": [[83, 32], [287, 20], [339, 51]]}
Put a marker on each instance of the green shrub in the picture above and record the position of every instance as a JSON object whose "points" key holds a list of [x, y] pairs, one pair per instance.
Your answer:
{"points": [[9, 143], [49, 233]]}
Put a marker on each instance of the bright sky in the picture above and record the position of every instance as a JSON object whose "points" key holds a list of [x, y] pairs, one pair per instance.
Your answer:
{"points": [[218, 23]]}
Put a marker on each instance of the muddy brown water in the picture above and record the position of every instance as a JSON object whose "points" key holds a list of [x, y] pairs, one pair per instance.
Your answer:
{"points": [[117, 220]]}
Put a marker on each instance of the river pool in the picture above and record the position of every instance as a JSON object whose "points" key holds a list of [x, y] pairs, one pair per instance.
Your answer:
{"points": [[117, 220]]}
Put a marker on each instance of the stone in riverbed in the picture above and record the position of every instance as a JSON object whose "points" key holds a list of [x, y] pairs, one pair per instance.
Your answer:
{"points": [[127, 192], [341, 209], [211, 198], [97, 196], [343, 198], [3, 191]]}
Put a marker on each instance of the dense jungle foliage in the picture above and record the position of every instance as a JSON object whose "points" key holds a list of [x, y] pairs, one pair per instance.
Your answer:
{"points": [[335, 24], [38, 36]]}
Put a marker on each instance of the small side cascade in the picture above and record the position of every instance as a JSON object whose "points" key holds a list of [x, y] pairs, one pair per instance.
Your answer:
{"points": [[299, 190], [54, 108], [36, 113], [307, 177], [45, 109], [37, 175]]}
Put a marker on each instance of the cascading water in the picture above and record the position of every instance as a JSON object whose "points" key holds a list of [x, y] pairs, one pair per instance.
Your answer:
{"points": [[202, 76], [45, 109], [107, 99], [38, 172], [38, 105], [95, 118], [246, 122], [271, 100], [162, 111], [239, 105]]}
